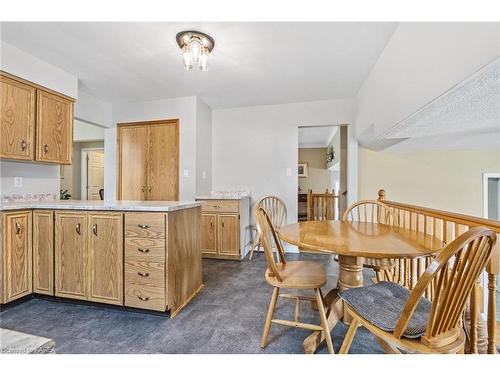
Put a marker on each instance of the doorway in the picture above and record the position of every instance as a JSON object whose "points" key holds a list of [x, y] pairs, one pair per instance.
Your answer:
{"points": [[88, 140], [322, 168]]}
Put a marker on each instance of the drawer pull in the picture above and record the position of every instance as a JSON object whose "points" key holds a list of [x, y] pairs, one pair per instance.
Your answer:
{"points": [[143, 226], [143, 298], [143, 274], [143, 250], [45, 148], [94, 229], [23, 145]]}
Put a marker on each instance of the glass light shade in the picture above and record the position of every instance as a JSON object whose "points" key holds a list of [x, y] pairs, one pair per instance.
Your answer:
{"points": [[187, 57], [204, 60], [195, 47]]}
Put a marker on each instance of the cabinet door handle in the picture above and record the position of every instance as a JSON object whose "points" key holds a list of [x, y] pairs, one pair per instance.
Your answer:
{"points": [[143, 298], [212, 224], [23, 145], [149, 189], [143, 274], [94, 229], [45, 148], [143, 226], [79, 229], [18, 228], [142, 189], [222, 223], [143, 250]]}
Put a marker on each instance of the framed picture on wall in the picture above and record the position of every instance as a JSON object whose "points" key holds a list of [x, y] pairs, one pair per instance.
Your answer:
{"points": [[302, 170]]}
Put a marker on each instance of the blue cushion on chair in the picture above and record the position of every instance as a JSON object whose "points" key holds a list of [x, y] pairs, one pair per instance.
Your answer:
{"points": [[382, 304]]}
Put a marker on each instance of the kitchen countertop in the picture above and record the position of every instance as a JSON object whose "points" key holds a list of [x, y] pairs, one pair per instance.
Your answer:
{"points": [[229, 196], [153, 206]]}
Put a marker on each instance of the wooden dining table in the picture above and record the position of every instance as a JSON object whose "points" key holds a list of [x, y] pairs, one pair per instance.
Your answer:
{"points": [[352, 242]]}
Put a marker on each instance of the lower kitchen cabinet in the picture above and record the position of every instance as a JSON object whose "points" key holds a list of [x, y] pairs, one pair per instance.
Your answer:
{"points": [[89, 256], [71, 255], [43, 252], [223, 228], [16, 275]]}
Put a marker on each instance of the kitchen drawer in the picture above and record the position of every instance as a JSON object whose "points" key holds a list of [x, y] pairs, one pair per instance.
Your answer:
{"points": [[145, 273], [147, 249], [222, 205], [145, 225], [145, 297]]}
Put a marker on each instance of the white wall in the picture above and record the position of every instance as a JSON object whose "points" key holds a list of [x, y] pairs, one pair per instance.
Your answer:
{"points": [[203, 148], [420, 62], [37, 178], [183, 109], [91, 109], [254, 146], [31, 68]]}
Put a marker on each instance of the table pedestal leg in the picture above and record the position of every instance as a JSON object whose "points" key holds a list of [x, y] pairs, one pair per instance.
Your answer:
{"points": [[350, 276]]}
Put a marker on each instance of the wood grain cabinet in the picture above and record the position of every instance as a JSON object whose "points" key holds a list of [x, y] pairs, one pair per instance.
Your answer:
{"points": [[17, 117], [16, 275], [148, 161], [54, 128], [89, 256], [36, 123], [224, 227], [43, 252]]}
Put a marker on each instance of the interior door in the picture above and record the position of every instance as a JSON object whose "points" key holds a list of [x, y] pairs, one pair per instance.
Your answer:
{"points": [[95, 174], [54, 128], [163, 176], [105, 248], [228, 227], [71, 255], [17, 119], [133, 162]]}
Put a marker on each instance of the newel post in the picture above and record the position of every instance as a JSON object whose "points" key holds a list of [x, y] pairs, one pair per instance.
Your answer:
{"points": [[381, 195]]}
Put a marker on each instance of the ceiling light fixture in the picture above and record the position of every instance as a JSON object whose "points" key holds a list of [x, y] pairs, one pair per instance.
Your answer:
{"points": [[195, 49]]}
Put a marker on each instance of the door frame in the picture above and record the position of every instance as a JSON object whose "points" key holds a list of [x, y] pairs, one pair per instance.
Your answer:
{"points": [[151, 123], [84, 171]]}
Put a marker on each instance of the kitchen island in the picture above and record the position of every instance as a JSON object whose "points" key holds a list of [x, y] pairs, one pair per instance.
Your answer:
{"points": [[137, 254]]}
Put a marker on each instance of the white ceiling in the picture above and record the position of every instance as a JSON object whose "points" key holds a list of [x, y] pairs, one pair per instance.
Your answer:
{"points": [[316, 136], [252, 63], [465, 117]]}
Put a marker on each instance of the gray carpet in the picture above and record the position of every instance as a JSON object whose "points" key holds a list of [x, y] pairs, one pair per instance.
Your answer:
{"points": [[226, 317]]}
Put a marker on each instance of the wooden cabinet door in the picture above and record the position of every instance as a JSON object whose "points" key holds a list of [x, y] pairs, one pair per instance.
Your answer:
{"points": [[209, 233], [132, 162], [17, 120], [17, 253], [71, 255], [105, 248], [43, 252], [54, 128], [163, 171], [229, 232]]}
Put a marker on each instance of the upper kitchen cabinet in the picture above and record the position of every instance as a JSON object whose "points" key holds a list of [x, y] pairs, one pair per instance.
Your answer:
{"points": [[54, 128], [17, 117], [36, 123]]}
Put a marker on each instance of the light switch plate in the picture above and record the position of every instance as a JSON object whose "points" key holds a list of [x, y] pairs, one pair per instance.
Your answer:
{"points": [[18, 182], [289, 172]]}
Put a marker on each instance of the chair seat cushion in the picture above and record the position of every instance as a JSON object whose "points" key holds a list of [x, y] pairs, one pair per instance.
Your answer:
{"points": [[382, 304]]}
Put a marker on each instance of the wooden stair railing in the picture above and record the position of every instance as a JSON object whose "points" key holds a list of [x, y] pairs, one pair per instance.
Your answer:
{"points": [[447, 226], [322, 206]]}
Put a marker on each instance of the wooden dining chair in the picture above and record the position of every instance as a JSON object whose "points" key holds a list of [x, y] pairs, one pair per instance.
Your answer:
{"points": [[290, 275], [276, 209], [373, 212], [403, 319], [320, 206]]}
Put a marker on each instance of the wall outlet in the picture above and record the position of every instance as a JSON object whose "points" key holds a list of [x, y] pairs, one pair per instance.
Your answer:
{"points": [[289, 172], [186, 172], [18, 182]]}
